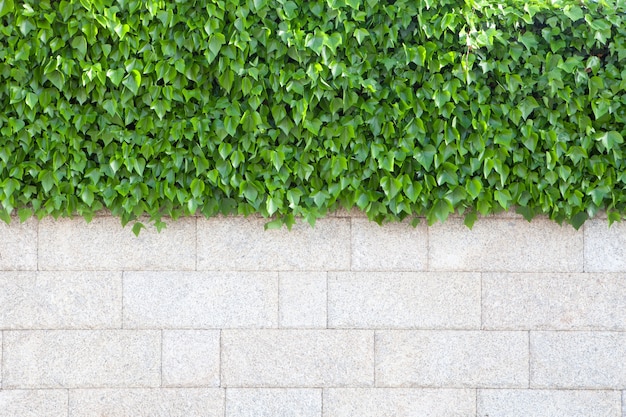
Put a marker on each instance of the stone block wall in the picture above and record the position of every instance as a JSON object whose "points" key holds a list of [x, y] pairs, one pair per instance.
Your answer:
{"points": [[221, 318]]}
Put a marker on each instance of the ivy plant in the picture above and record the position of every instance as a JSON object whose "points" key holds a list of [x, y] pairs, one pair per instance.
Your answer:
{"points": [[294, 108]]}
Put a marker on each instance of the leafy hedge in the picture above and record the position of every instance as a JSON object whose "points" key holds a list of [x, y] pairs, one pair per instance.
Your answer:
{"points": [[293, 108]]}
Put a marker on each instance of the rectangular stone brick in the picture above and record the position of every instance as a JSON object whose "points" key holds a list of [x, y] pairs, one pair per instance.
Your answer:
{"points": [[404, 300], [391, 247], [81, 358], [546, 403], [451, 359], [18, 245], [501, 244], [303, 299], [191, 358], [163, 402], [297, 358], [103, 244], [273, 402], [242, 244], [33, 403], [605, 247], [578, 360], [554, 301], [394, 402], [200, 300], [60, 300]]}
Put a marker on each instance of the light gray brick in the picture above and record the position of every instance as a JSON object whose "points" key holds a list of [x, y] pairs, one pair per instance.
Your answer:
{"points": [[404, 300], [60, 300], [578, 360], [33, 403], [18, 245], [81, 358], [273, 402], [394, 402], [391, 247], [554, 301], [297, 358], [191, 358], [243, 244], [303, 299], [200, 299], [605, 247], [497, 244], [530, 403], [164, 402], [451, 359], [103, 244]]}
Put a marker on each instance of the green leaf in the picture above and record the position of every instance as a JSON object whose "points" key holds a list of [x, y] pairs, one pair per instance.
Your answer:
{"points": [[527, 106], [80, 44], [573, 12], [610, 139], [215, 44], [578, 219], [133, 81], [137, 228], [529, 40], [116, 76], [6, 7], [360, 34]]}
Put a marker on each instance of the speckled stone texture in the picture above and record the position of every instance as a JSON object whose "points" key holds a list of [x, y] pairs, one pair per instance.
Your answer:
{"points": [[221, 318]]}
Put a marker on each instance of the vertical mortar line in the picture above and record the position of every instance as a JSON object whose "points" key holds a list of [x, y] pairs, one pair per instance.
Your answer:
{"points": [[476, 401], [224, 403], [68, 403], [584, 251], [322, 400]]}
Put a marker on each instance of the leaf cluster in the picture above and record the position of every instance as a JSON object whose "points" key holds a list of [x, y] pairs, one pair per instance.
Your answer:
{"points": [[293, 108]]}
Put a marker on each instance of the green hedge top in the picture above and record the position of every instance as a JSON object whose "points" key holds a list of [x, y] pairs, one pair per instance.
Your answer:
{"points": [[292, 108]]}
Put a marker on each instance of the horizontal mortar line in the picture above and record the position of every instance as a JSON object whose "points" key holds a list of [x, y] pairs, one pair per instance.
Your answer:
{"points": [[610, 389]]}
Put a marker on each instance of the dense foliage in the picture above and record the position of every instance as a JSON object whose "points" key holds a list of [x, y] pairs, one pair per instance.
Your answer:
{"points": [[292, 108]]}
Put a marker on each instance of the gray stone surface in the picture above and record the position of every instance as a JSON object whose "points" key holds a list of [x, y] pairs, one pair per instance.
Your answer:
{"points": [[273, 402], [605, 247], [394, 402], [73, 244], [404, 300], [303, 299], [33, 403], [548, 403], [578, 360], [200, 299], [554, 301], [81, 358], [237, 243], [451, 359], [391, 247], [164, 402], [60, 300], [500, 244], [297, 358], [18, 245], [191, 358]]}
